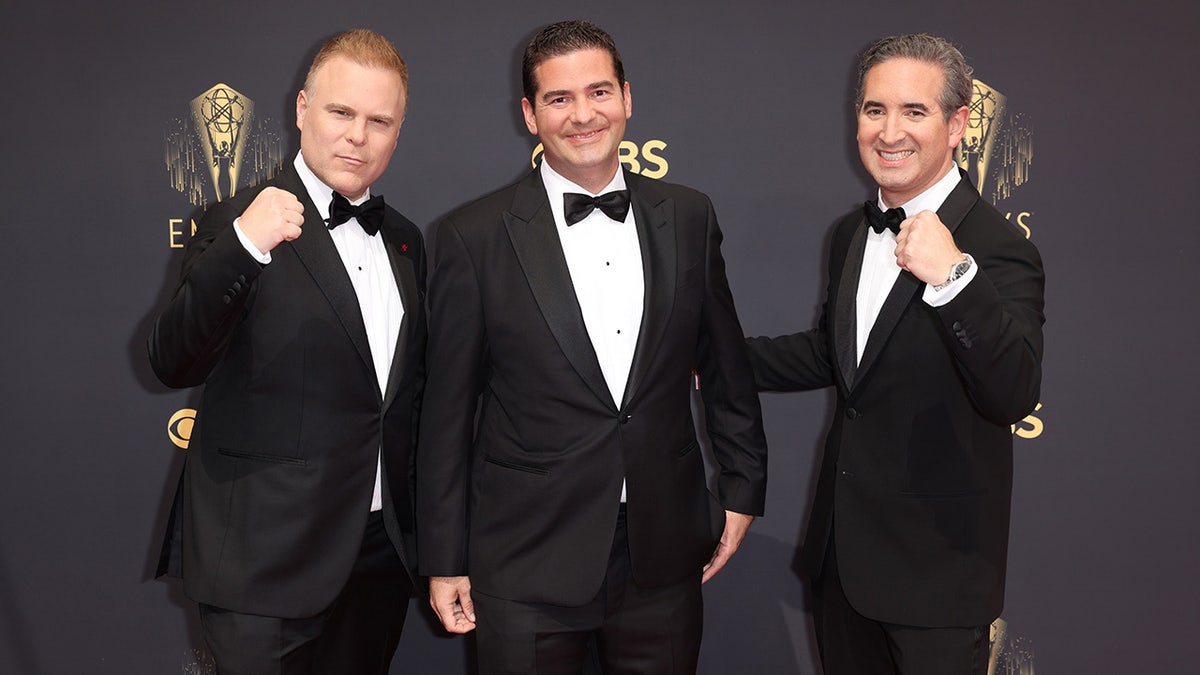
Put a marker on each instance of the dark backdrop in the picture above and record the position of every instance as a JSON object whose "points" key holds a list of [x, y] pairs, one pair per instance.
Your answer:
{"points": [[747, 101]]}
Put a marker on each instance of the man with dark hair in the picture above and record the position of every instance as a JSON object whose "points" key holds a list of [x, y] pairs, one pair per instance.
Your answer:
{"points": [[932, 334], [300, 308], [561, 492]]}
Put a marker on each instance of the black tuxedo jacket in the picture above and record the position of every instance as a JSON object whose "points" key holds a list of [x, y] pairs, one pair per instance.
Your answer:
{"points": [[525, 500], [277, 484], [917, 471]]}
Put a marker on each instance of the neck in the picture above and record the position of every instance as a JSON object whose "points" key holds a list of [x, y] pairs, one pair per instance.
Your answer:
{"points": [[592, 180]]}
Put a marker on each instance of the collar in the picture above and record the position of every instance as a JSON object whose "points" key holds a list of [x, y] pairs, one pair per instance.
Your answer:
{"points": [[556, 186], [320, 193], [929, 200]]}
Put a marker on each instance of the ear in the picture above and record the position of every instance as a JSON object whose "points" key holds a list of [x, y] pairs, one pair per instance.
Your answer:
{"points": [[530, 118], [301, 109], [958, 125], [628, 101]]}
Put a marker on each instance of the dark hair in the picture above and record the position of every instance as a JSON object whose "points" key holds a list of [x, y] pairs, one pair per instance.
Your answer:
{"points": [[562, 38], [956, 89]]}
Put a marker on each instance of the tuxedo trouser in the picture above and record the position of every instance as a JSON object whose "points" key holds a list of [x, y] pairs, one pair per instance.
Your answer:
{"points": [[625, 629], [357, 634], [852, 644]]}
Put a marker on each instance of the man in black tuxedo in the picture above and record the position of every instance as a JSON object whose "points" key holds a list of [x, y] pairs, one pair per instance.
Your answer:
{"points": [[300, 308], [932, 335], [561, 492]]}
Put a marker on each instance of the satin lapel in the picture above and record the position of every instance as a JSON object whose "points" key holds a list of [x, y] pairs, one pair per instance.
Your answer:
{"points": [[844, 312], [907, 287], [958, 203], [903, 293], [406, 282], [654, 216], [314, 247], [534, 237]]}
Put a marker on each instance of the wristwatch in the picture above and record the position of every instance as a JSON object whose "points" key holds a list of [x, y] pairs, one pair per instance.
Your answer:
{"points": [[956, 272]]}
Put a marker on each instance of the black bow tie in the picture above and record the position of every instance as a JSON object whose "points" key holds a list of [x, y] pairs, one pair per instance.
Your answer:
{"points": [[883, 220], [369, 213], [614, 204]]}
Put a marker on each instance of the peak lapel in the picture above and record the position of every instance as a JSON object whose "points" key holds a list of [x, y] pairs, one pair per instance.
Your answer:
{"points": [[410, 296], [845, 309], [534, 236], [314, 247], [654, 216], [907, 287]]}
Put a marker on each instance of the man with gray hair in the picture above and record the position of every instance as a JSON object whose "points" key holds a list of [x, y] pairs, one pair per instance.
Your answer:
{"points": [[932, 335]]}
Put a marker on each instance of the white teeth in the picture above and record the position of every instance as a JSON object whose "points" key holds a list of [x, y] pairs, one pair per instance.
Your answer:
{"points": [[895, 156]]}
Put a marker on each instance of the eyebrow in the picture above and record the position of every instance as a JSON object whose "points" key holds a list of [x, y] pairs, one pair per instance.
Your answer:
{"points": [[334, 105], [915, 105], [603, 84]]}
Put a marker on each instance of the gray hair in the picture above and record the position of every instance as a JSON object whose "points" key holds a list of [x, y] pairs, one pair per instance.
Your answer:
{"points": [[956, 89]]}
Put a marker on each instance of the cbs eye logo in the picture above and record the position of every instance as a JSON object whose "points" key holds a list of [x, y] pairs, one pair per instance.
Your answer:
{"points": [[643, 160], [179, 427]]}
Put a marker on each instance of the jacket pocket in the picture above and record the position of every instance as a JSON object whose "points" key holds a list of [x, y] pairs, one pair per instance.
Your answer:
{"points": [[260, 457], [536, 470]]}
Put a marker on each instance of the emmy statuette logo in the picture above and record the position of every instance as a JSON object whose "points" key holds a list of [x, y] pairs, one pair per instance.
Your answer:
{"points": [[221, 145]]}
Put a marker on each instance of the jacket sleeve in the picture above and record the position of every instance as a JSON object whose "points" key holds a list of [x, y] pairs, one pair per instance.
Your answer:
{"points": [[731, 405], [994, 325], [454, 363], [215, 289]]}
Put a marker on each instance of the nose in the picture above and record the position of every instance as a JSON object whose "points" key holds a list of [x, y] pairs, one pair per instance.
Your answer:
{"points": [[356, 131], [582, 112], [891, 131]]}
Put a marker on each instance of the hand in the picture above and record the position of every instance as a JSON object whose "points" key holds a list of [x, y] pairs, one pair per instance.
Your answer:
{"points": [[451, 600], [275, 215], [926, 248], [736, 525]]}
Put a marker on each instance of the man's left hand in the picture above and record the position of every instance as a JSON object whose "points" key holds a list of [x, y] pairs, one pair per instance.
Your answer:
{"points": [[736, 525], [926, 248]]}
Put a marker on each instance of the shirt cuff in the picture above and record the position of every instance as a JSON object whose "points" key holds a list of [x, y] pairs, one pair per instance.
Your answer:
{"points": [[262, 258], [936, 298]]}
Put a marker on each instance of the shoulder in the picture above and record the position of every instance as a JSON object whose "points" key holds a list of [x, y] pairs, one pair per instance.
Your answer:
{"points": [[654, 191], [490, 206], [984, 226]]}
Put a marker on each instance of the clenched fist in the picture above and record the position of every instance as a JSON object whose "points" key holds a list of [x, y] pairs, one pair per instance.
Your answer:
{"points": [[926, 248], [275, 215]]}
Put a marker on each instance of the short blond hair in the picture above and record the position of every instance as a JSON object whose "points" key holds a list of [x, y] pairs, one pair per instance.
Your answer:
{"points": [[364, 47]]}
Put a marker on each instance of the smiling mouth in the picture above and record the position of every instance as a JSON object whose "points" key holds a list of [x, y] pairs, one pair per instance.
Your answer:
{"points": [[585, 136], [894, 156]]}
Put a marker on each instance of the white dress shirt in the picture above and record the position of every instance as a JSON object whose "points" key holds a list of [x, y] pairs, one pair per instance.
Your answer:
{"points": [[370, 270], [880, 271], [605, 262]]}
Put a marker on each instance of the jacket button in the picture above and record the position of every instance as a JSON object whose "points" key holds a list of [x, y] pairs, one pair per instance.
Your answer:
{"points": [[852, 414], [957, 326], [237, 286], [625, 419], [242, 278], [227, 298]]}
